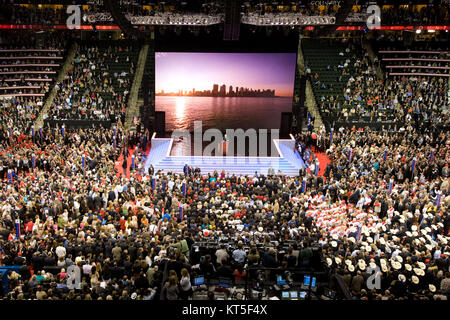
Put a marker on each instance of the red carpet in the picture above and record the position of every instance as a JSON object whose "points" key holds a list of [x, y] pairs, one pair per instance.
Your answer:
{"points": [[323, 162], [120, 161]]}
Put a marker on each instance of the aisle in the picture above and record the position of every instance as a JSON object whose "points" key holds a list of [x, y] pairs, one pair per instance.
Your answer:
{"points": [[120, 161], [323, 162]]}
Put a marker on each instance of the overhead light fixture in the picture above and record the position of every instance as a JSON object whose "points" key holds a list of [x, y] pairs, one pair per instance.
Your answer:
{"points": [[418, 31], [431, 30]]}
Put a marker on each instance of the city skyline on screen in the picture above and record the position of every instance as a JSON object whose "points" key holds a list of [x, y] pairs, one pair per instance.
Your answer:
{"points": [[199, 72]]}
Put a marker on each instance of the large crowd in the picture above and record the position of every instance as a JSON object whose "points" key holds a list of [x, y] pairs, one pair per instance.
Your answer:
{"points": [[123, 231], [71, 199], [367, 98], [92, 89]]}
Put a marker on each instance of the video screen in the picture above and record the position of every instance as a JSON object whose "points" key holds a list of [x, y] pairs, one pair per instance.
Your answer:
{"points": [[306, 280], [224, 90], [199, 281]]}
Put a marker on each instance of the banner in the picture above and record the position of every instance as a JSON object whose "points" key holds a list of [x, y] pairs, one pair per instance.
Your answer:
{"points": [[438, 199], [391, 183], [17, 223], [181, 212], [358, 232], [309, 121], [421, 222]]}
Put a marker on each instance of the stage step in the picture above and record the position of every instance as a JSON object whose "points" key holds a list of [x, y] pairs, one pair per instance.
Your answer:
{"points": [[160, 158]]}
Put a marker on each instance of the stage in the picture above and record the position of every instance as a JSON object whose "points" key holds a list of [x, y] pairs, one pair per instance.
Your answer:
{"points": [[288, 160]]}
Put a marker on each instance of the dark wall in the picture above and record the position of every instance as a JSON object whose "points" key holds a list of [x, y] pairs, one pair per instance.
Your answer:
{"points": [[252, 39]]}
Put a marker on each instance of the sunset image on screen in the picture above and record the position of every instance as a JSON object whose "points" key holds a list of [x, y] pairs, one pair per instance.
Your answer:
{"points": [[224, 90], [225, 74]]}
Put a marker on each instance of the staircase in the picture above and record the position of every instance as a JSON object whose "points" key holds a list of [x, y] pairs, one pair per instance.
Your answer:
{"points": [[68, 64], [300, 58], [310, 100], [133, 105], [289, 162], [372, 55], [312, 107]]}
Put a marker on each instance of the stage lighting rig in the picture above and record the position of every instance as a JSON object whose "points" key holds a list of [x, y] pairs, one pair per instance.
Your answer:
{"points": [[160, 18], [286, 19]]}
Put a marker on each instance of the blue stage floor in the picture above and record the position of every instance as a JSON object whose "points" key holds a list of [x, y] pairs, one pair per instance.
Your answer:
{"points": [[288, 162]]}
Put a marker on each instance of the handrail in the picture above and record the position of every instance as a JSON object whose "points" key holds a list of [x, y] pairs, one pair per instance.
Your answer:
{"points": [[20, 87], [30, 58], [414, 66], [413, 51], [31, 50], [419, 74], [28, 79], [29, 65], [415, 59]]}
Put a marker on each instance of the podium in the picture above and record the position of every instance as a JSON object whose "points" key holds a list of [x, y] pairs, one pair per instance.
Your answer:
{"points": [[224, 147]]}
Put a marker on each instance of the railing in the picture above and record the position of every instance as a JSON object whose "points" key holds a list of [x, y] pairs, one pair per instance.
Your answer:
{"points": [[12, 95], [31, 58], [28, 72], [416, 59], [20, 65], [418, 67], [79, 123], [413, 51], [20, 87], [419, 74], [29, 79], [31, 50]]}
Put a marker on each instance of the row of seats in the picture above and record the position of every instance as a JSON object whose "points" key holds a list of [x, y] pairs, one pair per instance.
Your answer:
{"points": [[98, 86], [28, 72], [405, 62], [28, 69], [330, 65], [352, 92]]}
